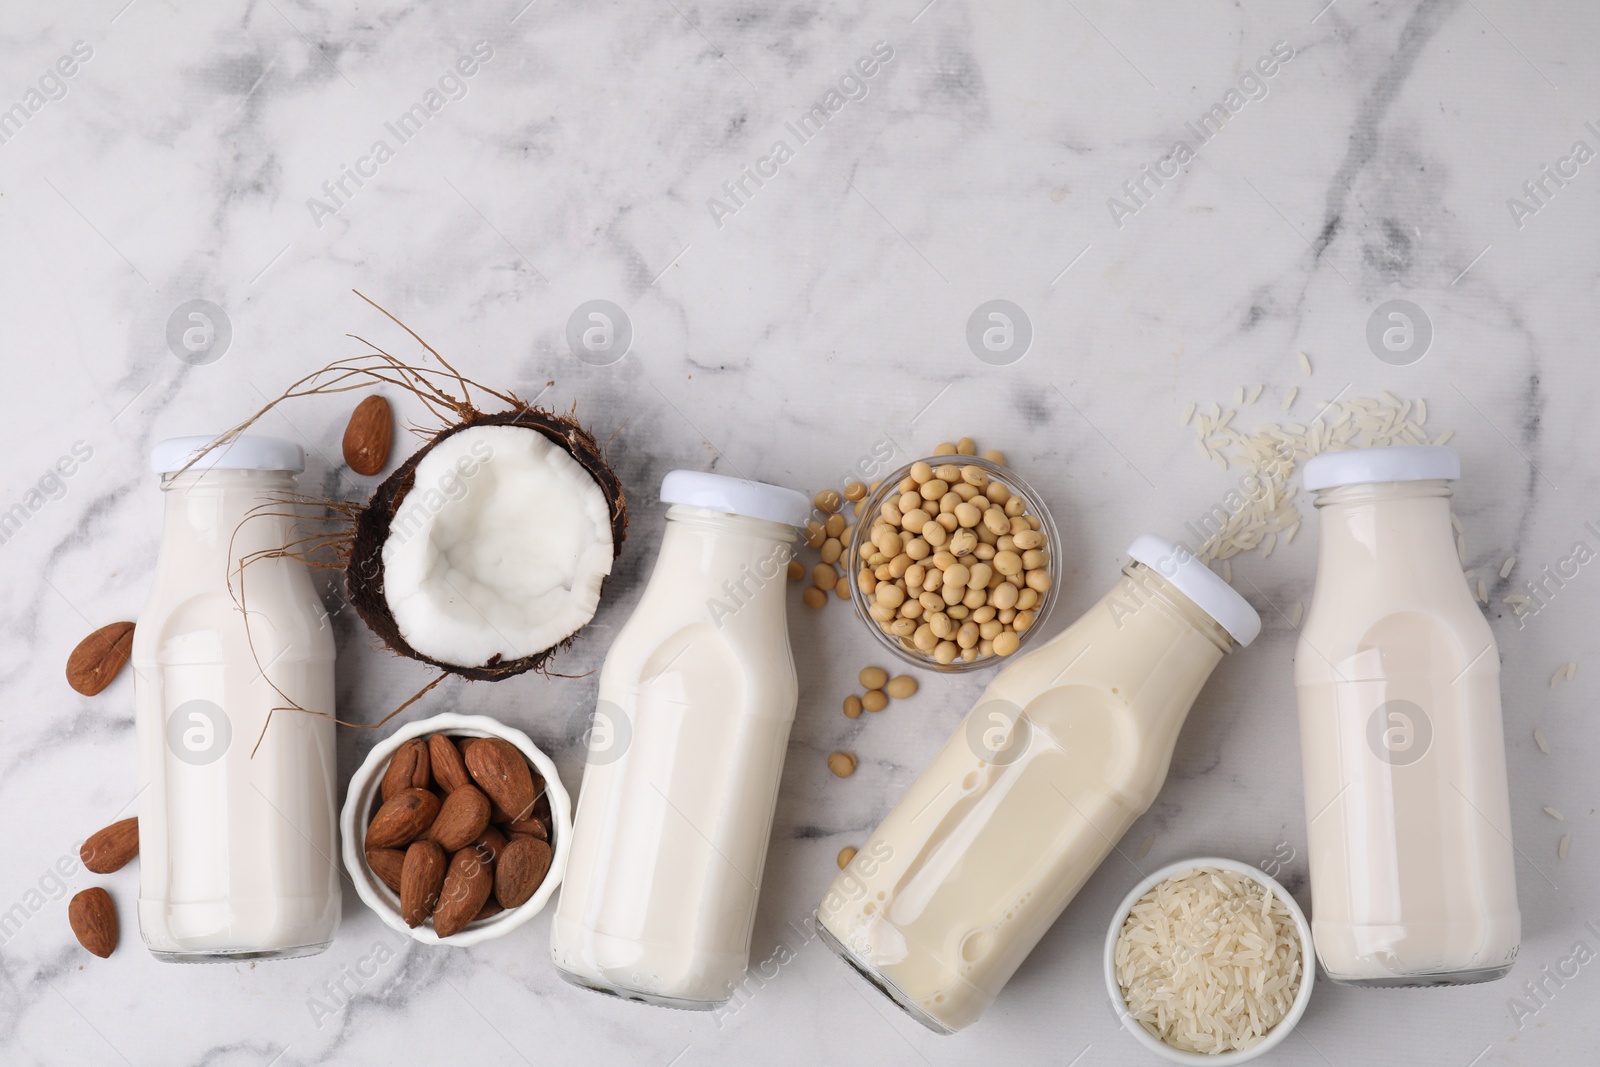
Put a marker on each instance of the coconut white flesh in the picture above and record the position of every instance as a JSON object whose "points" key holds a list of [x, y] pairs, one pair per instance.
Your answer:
{"points": [[498, 549]]}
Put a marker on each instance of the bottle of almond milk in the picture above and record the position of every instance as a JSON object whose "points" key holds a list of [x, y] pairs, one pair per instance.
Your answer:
{"points": [[237, 845], [1065, 749], [696, 699], [1409, 822]]}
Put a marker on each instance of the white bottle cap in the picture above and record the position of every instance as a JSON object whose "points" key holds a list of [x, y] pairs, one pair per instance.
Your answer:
{"points": [[1200, 584], [736, 496], [248, 452], [1391, 463]]}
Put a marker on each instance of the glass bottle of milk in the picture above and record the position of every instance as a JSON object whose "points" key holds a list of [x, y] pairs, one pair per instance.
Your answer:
{"points": [[1065, 749], [696, 699], [1409, 822], [237, 848]]}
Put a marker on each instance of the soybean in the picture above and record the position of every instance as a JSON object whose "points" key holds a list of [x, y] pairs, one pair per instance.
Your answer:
{"points": [[901, 686]]}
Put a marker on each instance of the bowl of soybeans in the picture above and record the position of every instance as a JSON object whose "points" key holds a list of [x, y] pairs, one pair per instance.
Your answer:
{"points": [[954, 563]]}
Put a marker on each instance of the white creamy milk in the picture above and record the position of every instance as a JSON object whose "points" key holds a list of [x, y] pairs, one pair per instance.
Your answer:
{"points": [[1409, 822], [237, 852], [696, 699], [1065, 749]]}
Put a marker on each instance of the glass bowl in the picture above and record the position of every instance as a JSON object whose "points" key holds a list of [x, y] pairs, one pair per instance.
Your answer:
{"points": [[888, 489]]}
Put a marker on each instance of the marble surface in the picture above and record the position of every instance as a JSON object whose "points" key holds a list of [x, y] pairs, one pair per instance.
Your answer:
{"points": [[780, 331]]}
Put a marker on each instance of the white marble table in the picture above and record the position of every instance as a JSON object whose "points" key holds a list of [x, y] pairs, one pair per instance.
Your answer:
{"points": [[779, 330]]}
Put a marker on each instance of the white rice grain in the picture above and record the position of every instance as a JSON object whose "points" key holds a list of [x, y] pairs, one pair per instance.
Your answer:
{"points": [[1209, 962]]}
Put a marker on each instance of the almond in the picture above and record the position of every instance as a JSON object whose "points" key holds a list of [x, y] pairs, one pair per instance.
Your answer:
{"points": [[490, 907], [489, 844], [502, 772], [421, 878], [110, 849], [368, 435], [462, 818], [449, 769], [98, 657], [93, 916], [387, 863], [467, 885], [402, 818], [532, 827], [522, 866], [408, 769]]}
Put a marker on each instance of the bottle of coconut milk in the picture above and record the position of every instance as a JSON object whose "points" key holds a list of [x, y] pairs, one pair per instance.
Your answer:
{"points": [[237, 845], [696, 699], [1409, 820], [1064, 750]]}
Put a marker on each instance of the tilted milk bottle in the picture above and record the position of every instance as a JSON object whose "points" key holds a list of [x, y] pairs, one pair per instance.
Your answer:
{"points": [[696, 699], [1065, 749], [1409, 821], [237, 842]]}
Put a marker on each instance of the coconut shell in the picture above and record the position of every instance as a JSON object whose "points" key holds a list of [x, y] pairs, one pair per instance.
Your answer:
{"points": [[364, 571]]}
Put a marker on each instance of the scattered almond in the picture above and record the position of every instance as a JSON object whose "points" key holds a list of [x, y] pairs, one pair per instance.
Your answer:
{"points": [[93, 917], [421, 879], [110, 849], [368, 436], [99, 657], [403, 818]]}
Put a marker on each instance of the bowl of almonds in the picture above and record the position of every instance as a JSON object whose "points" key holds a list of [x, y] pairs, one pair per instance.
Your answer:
{"points": [[953, 564], [455, 829]]}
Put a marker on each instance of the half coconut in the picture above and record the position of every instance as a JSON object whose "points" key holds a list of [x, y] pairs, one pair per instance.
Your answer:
{"points": [[485, 552]]}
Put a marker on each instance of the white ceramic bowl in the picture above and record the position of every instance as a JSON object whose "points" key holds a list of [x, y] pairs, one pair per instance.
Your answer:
{"points": [[358, 808], [1308, 966]]}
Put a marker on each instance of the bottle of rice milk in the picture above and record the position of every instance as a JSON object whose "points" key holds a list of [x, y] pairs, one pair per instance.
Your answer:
{"points": [[1065, 749], [238, 850], [696, 699], [1412, 875]]}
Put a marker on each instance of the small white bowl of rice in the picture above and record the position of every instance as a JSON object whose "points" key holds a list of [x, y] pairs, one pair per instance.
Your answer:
{"points": [[1209, 961]]}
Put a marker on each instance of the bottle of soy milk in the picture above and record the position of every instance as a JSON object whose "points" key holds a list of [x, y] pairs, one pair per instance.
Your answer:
{"points": [[237, 846], [1412, 873], [696, 699], [1065, 749]]}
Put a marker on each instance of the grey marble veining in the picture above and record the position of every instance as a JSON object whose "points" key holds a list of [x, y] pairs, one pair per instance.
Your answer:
{"points": [[789, 308]]}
